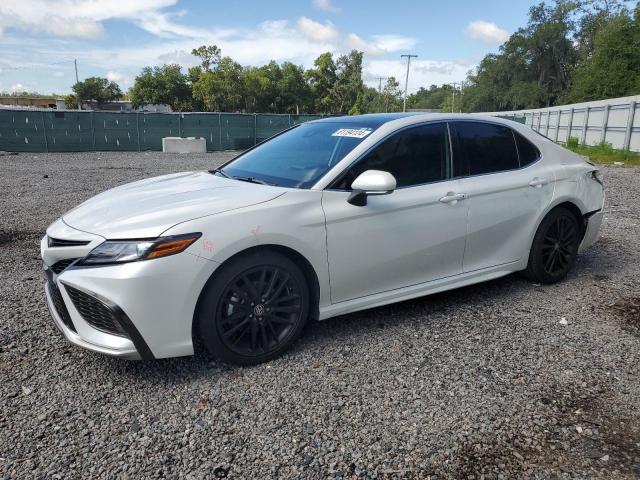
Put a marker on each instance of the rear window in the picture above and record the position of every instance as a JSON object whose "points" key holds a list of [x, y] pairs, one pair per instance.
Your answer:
{"points": [[527, 151], [484, 148]]}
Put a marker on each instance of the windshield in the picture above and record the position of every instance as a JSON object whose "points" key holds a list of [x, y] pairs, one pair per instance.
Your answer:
{"points": [[299, 157]]}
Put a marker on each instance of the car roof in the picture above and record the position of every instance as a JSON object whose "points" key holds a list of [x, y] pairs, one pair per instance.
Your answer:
{"points": [[375, 120]]}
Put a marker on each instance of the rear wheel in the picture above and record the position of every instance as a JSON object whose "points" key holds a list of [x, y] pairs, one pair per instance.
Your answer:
{"points": [[555, 247], [254, 308]]}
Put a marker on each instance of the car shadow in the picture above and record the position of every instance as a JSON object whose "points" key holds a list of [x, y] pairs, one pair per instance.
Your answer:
{"points": [[174, 371]]}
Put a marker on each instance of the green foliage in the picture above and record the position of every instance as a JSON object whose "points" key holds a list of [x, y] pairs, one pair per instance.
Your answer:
{"points": [[97, 89], [209, 55], [221, 89], [604, 153], [221, 84], [613, 69], [572, 143], [166, 84], [71, 102], [569, 51]]}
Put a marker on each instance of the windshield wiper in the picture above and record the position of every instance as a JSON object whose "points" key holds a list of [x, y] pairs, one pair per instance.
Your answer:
{"points": [[221, 172], [254, 180]]}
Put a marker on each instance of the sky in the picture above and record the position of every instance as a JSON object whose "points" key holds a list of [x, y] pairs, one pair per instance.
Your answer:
{"points": [[39, 39]]}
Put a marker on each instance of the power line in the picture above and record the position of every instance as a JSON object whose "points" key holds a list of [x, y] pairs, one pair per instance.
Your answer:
{"points": [[35, 67], [406, 80]]}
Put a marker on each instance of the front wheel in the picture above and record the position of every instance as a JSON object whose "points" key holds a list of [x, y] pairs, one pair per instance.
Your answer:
{"points": [[555, 247], [254, 308]]}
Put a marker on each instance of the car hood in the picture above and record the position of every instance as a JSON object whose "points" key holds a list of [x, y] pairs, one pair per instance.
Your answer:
{"points": [[146, 208]]}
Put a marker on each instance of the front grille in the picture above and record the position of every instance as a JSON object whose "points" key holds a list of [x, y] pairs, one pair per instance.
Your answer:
{"points": [[95, 313], [62, 265], [56, 242], [60, 307]]}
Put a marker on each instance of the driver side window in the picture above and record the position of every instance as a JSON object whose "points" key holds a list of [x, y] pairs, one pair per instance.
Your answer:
{"points": [[413, 156]]}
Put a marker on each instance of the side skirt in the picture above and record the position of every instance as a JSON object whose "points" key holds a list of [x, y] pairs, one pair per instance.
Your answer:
{"points": [[420, 290]]}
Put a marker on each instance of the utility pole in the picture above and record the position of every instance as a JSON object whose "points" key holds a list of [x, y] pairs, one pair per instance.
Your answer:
{"points": [[380, 83], [75, 64], [453, 94], [406, 80]]}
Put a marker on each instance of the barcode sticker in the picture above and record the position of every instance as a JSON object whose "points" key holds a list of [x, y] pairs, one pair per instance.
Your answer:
{"points": [[352, 132]]}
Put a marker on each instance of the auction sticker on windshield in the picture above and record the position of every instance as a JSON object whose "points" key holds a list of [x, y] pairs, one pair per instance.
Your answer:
{"points": [[352, 132]]}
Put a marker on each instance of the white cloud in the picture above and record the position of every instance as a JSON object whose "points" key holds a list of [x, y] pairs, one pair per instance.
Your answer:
{"points": [[83, 18], [358, 43], [487, 32], [393, 43], [380, 44], [423, 73], [325, 5], [316, 30], [58, 74], [18, 87], [114, 76]]}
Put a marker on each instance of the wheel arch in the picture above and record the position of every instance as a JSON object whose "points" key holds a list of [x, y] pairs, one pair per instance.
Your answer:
{"points": [[300, 260]]}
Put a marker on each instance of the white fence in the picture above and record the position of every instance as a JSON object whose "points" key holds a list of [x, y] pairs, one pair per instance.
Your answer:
{"points": [[615, 121]]}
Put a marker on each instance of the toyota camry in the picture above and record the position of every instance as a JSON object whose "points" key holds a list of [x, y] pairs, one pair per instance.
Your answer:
{"points": [[329, 217]]}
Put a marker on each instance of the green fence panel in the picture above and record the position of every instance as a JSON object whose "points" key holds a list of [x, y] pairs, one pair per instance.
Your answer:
{"points": [[202, 125], [115, 131], [155, 126], [268, 125], [74, 131], [237, 131], [68, 131], [22, 131], [296, 119]]}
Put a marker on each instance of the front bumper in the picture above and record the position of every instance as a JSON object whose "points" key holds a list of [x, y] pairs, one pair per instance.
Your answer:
{"points": [[152, 303], [128, 352]]}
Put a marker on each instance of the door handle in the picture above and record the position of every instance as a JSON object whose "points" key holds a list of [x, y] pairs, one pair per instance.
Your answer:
{"points": [[538, 182], [453, 198]]}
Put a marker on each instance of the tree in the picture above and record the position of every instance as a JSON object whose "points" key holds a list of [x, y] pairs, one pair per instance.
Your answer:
{"points": [[221, 89], [97, 89], [165, 85], [321, 79], [348, 84], [70, 102], [433, 97], [209, 56], [613, 68], [293, 91]]}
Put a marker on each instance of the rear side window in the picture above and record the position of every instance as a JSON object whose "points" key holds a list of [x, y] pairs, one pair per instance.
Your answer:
{"points": [[527, 151], [413, 156], [484, 148]]}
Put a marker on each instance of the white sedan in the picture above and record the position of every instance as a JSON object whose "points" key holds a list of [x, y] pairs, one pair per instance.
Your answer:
{"points": [[329, 217]]}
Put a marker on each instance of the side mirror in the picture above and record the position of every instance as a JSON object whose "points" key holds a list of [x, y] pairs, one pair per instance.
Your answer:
{"points": [[371, 182]]}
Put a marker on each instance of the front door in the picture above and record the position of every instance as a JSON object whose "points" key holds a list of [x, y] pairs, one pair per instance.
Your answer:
{"points": [[410, 236]]}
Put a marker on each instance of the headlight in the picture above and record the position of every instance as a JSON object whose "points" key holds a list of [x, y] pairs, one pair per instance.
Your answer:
{"points": [[123, 251]]}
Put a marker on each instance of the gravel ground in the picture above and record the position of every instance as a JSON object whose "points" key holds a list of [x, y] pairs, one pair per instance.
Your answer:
{"points": [[506, 379]]}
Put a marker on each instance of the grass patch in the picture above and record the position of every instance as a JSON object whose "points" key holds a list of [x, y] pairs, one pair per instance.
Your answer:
{"points": [[604, 153]]}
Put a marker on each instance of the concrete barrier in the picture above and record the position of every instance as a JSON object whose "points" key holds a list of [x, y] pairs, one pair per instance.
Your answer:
{"points": [[184, 145]]}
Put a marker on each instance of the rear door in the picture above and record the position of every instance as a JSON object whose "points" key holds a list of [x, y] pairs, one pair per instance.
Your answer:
{"points": [[413, 235], [506, 187]]}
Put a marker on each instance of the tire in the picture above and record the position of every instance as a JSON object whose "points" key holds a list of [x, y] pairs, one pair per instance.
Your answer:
{"points": [[555, 247], [254, 308]]}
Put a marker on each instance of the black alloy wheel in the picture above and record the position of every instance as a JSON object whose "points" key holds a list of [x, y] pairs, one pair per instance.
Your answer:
{"points": [[558, 245], [254, 309], [555, 247], [259, 310]]}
